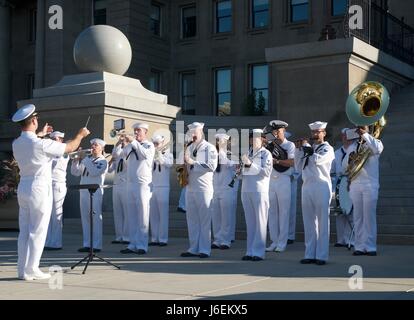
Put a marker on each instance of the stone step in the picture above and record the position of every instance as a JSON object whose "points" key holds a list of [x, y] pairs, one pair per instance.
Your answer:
{"points": [[399, 219], [390, 210], [401, 193], [395, 202]]}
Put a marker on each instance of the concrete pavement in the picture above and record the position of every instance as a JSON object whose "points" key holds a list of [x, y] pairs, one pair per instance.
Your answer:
{"points": [[162, 274]]}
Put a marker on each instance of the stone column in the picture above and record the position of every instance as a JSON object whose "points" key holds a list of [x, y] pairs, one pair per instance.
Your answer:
{"points": [[4, 59], [40, 45]]}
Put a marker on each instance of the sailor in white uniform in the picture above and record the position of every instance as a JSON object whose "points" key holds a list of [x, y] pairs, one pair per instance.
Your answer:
{"points": [[201, 161], [92, 170], [139, 154], [34, 157], [363, 192], [119, 191], [280, 187], [343, 222], [315, 162], [59, 167], [223, 195], [256, 171], [160, 199]]}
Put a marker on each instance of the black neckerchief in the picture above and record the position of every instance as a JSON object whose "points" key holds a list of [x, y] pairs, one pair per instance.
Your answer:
{"points": [[120, 166], [316, 151], [86, 171]]}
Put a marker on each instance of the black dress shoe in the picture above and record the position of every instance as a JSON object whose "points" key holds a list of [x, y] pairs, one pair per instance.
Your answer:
{"points": [[140, 251], [224, 247], [256, 258], [214, 246], [52, 249], [203, 255], [152, 244], [162, 244], [371, 253], [188, 255], [320, 262], [116, 242], [126, 251], [232, 241], [307, 261], [247, 258], [359, 253], [84, 249], [96, 250], [339, 245], [124, 242], [290, 241], [179, 209]]}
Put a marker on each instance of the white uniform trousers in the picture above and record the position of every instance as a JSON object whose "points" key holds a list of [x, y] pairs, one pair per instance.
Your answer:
{"points": [[139, 196], [233, 215], [279, 210], [159, 208], [256, 206], [364, 198], [35, 207], [96, 217], [292, 212], [181, 201], [54, 233], [198, 205], [315, 210], [222, 217], [120, 203], [343, 228]]}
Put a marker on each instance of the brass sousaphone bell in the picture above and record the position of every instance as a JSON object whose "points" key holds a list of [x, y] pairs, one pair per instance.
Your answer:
{"points": [[366, 106]]}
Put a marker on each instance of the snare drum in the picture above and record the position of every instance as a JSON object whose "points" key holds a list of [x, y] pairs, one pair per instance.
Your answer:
{"points": [[342, 203]]}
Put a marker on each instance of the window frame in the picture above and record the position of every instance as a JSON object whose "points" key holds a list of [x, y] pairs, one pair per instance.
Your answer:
{"points": [[182, 96], [160, 21], [182, 8], [32, 25], [290, 13], [159, 74], [252, 15], [331, 8], [216, 93], [94, 11], [251, 82], [216, 18]]}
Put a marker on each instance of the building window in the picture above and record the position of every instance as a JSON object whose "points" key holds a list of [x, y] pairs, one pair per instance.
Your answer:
{"points": [[338, 7], [30, 81], [223, 16], [155, 16], [223, 92], [299, 10], [188, 93], [155, 81], [260, 86], [31, 31], [99, 11], [260, 13], [189, 22]]}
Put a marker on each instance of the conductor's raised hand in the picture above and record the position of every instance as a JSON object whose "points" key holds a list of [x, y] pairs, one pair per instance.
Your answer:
{"points": [[84, 132]]}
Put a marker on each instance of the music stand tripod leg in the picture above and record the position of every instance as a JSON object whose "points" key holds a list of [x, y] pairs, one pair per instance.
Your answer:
{"points": [[110, 263]]}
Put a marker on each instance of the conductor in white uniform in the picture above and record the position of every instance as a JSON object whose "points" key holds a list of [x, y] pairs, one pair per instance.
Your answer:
{"points": [[34, 157], [315, 162]]}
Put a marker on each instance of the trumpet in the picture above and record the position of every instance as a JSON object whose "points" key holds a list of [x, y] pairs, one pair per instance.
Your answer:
{"points": [[79, 154], [161, 150], [116, 133]]}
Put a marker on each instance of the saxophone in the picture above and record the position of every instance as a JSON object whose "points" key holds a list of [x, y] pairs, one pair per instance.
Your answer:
{"points": [[182, 171]]}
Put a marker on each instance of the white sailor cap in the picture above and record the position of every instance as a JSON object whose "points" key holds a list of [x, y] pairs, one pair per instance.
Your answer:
{"points": [[195, 125], [318, 125], [344, 130], [24, 112], [257, 131], [277, 124], [57, 134], [287, 134], [157, 139], [222, 136], [98, 141], [140, 125]]}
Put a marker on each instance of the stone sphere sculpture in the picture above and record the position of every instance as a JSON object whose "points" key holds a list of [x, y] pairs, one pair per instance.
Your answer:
{"points": [[102, 48]]}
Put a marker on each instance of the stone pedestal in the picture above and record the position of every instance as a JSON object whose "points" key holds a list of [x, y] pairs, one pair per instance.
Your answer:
{"points": [[104, 97]]}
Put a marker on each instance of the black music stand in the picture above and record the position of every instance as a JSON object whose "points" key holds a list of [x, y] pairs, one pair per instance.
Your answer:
{"points": [[92, 189]]}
